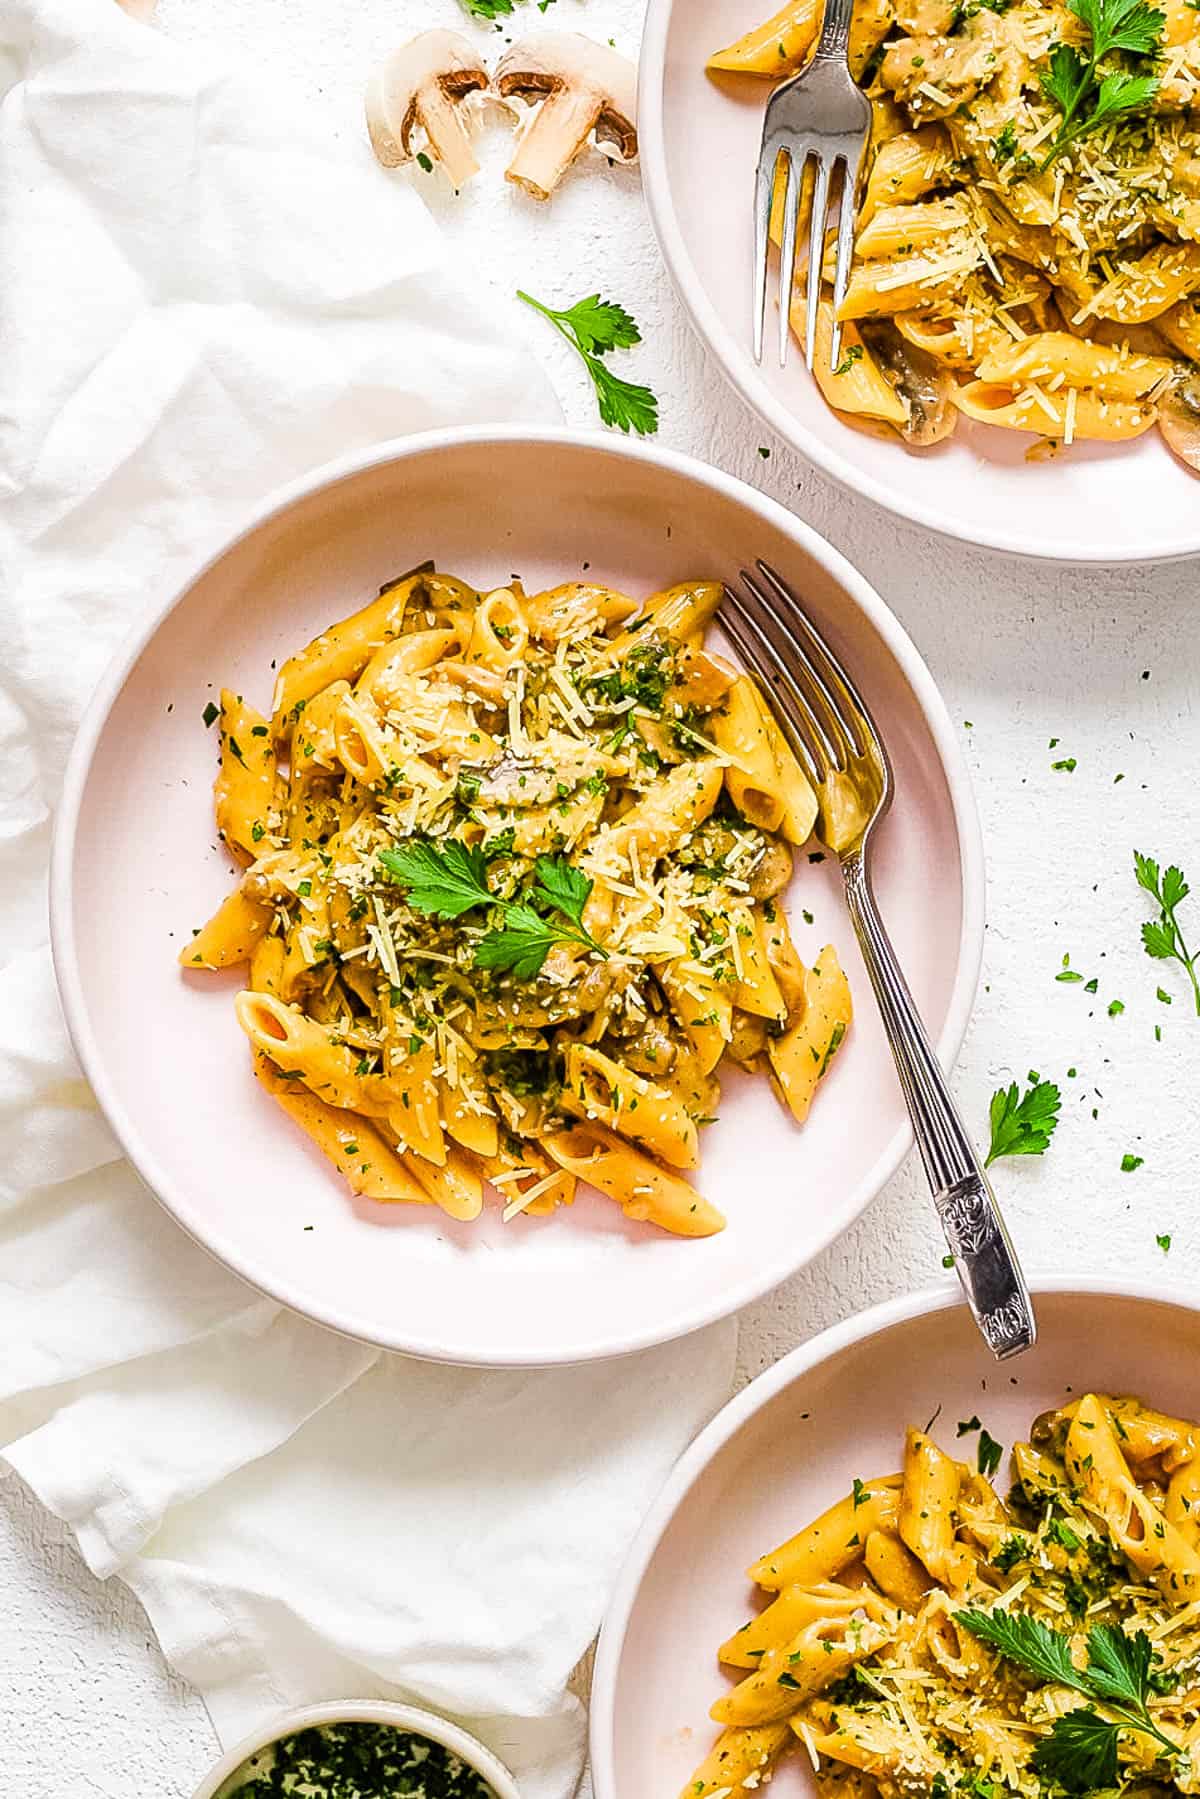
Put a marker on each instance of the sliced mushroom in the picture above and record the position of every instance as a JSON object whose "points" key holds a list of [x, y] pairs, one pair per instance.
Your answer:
{"points": [[924, 384], [421, 89], [1179, 418], [582, 87]]}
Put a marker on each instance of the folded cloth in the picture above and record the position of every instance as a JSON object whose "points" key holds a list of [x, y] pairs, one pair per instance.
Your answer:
{"points": [[202, 299]]}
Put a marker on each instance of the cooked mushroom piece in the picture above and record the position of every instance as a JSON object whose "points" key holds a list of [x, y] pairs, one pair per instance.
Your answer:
{"points": [[582, 87], [924, 384], [421, 89], [1179, 418]]}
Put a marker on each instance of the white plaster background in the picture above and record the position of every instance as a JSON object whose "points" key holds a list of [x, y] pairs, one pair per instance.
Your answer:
{"points": [[1107, 661]]}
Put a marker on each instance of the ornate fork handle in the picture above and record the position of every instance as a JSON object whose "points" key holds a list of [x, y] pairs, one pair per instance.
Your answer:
{"points": [[835, 28], [974, 1229]]}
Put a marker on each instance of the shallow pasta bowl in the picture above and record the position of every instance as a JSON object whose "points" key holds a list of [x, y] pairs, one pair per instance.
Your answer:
{"points": [[699, 138], [163, 1049], [793, 1443]]}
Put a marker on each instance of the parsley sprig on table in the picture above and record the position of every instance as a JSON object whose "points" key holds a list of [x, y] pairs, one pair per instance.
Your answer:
{"points": [[1088, 97], [1023, 1123], [496, 9], [1162, 937], [593, 327], [446, 879], [1081, 1749]]}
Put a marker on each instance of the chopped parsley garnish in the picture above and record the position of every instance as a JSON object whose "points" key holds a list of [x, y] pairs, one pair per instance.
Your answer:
{"points": [[1130, 1162], [359, 1761], [593, 327], [211, 714], [990, 1454], [1023, 1123], [1162, 937]]}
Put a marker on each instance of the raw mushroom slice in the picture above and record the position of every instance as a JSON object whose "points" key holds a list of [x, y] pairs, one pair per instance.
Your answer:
{"points": [[924, 383], [1179, 419], [581, 87], [422, 88]]}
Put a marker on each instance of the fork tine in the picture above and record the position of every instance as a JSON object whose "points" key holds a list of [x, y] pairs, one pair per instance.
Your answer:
{"points": [[845, 254], [768, 162], [787, 253], [793, 714], [801, 677], [827, 664], [816, 252]]}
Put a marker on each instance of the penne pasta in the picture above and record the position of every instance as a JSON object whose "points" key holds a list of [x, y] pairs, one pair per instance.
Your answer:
{"points": [[498, 905]]}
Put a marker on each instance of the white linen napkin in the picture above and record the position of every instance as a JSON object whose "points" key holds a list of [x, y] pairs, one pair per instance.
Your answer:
{"points": [[201, 300]]}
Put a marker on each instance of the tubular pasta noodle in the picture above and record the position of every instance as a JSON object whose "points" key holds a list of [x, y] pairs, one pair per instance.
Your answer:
{"points": [[231, 934], [642, 1189], [361, 1156], [244, 791]]}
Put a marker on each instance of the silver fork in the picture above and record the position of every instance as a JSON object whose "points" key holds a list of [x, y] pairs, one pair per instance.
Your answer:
{"points": [[827, 724], [822, 113]]}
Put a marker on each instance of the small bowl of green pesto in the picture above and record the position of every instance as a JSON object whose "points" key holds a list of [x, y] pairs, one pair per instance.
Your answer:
{"points": [[369, 1749]]}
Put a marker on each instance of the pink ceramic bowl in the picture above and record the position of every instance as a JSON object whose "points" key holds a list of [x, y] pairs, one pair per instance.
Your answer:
{"points": [[163, 1049], [699, 138], [793, 1442]]}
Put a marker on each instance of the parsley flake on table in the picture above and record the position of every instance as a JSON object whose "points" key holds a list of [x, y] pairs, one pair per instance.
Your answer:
{"points": [[1087, 96], [593, 327], [1162, 938], [1131, 1163], [1164, 1242], [1023, 1123]]}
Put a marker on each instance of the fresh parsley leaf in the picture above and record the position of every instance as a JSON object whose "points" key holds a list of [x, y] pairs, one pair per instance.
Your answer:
{"points": [[602, 325], [1119, 1665], [1080, 1753], [1119, 1675], [1162, 938], [491, 10], [1129, 25], [593, 327], [558, 884], [1065, 78], [448, 878], [1087, 97], [1028, 1642], [1118, 93], [624, 404], [443, 880], [1023, 1124], [520, 946]]}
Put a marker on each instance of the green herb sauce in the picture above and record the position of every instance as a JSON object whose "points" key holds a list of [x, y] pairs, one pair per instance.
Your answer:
{"points": [[355, 1761]]}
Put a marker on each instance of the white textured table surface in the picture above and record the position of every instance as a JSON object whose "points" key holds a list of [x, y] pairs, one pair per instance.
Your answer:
{"points": [[1106, 662]]}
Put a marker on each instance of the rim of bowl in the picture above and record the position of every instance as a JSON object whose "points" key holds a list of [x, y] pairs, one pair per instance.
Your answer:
{"points": [[884, 623], [733, 358], [365, 1711], [729, 1420]]}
